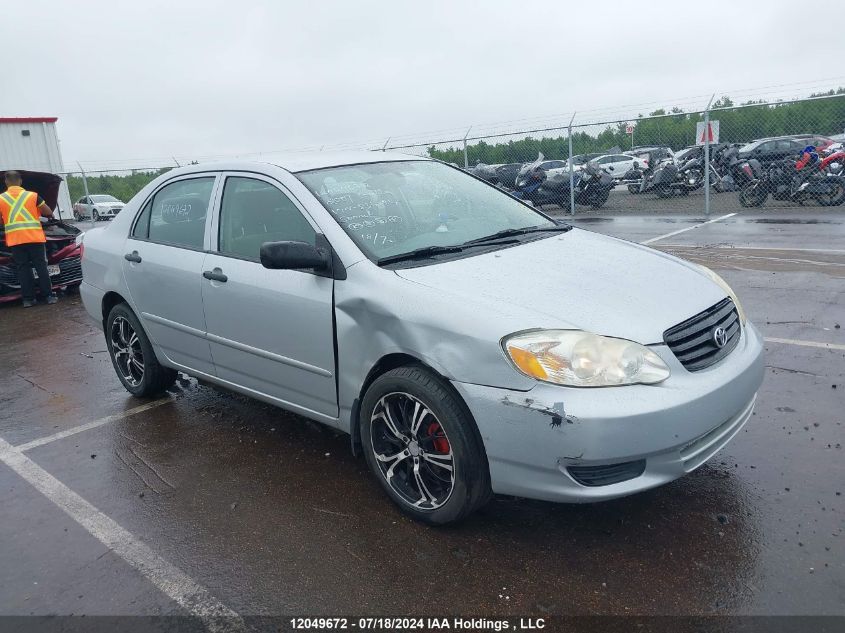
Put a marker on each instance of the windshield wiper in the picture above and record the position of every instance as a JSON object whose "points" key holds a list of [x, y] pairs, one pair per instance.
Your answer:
{"points": [[562, 228], [420, 253]]}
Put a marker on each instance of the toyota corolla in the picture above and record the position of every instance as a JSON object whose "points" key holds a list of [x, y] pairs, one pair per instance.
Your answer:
{"points": [[468, 343]]}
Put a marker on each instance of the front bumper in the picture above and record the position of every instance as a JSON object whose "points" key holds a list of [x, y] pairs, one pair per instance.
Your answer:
{"points": [[533, 438], [70, 274]]}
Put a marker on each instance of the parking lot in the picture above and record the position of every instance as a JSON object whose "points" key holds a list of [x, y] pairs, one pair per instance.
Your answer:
{"points": [[208, 503]]}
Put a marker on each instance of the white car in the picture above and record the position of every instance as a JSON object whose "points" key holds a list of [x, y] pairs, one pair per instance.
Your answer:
{"points": [[98, 207], [617, 165]]}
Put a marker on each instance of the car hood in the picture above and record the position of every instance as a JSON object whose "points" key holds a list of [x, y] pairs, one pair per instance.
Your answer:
{"points": [[578, 280]]}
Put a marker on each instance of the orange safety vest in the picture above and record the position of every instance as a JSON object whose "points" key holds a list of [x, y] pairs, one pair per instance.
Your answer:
{"points": [[19, 210]]}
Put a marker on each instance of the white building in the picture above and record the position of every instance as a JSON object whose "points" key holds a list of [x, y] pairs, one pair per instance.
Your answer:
{"points": [[31, 143]]}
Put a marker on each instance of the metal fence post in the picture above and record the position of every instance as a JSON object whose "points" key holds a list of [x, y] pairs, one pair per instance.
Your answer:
{"points": [[466, 160], [707, 157], [571, 169], [87, 197]]}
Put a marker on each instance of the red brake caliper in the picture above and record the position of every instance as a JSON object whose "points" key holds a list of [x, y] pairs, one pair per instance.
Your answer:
{"points": [[441, 444]]}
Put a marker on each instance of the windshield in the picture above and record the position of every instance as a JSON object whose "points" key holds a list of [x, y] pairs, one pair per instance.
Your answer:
{"points": [[104, 198], [397, 207], [749, 147]]}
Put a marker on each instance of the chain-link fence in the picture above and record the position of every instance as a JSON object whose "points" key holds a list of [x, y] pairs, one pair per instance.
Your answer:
{"points": [[705, 155], [721, 157]]}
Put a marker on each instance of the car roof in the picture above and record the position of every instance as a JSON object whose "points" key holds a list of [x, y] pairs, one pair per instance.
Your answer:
{"points": [[301, 161]]}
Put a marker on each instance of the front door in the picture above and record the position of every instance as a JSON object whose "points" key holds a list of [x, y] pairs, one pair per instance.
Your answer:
{"points": [[163, 264], [271, 331]]}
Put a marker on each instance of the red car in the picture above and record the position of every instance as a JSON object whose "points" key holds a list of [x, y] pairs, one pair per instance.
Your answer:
{"points": [[64, 250]]}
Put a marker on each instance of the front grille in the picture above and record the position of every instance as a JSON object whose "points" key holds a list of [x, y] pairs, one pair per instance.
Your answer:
{"points": [[693, 341], [608, 474], [71, 271]]}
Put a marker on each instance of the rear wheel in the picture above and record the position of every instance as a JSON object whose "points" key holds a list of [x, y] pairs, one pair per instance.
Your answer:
{"points": [[753, 194], [132, 355], [664, 191], [635, 189], [834, 197], [421, 444]]}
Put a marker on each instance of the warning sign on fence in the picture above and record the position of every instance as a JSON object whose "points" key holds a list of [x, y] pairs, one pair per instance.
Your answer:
{"points": [[711, 134]]}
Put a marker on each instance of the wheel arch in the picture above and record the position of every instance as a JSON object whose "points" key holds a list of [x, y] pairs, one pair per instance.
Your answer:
{"points": [[384, 365], [110, 300]]}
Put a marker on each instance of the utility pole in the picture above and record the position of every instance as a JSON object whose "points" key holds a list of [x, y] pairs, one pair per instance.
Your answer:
{"points": [[466, 161], [87, 197]]}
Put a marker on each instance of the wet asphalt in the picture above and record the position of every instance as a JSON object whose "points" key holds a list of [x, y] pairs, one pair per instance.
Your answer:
{"points": [[272, 514]]}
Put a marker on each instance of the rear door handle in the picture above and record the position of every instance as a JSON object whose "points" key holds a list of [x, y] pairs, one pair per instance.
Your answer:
{"points": [[215, 275], [133, 257]]}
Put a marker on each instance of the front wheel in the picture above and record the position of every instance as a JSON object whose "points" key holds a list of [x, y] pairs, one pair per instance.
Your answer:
{"points": [[834, 196], [422, 445], [132, 355], [96, 215], [753, 194]]}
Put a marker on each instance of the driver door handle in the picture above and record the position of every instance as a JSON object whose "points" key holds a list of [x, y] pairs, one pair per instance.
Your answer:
{"points": [[215, 275], [133, 257]]}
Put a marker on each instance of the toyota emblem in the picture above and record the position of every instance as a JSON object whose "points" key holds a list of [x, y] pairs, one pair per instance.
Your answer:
{"points": [[720, 337]]}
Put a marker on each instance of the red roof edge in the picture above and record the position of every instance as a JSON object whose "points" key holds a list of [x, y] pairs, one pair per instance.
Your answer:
{"points": [[29, 119]]}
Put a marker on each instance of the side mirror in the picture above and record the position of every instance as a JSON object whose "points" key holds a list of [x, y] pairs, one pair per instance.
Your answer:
{"points": [[293, 256]]}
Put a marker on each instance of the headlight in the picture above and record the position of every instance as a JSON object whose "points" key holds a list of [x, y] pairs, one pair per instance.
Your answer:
{"points": [[724, 286], [79, 238], [581, 359]]}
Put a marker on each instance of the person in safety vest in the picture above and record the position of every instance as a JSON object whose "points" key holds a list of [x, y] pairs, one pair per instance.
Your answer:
{"points": [[21, 211]]}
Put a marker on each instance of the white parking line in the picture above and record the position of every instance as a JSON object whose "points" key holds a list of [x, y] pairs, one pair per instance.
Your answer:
{"points": [[792, 341], [758, 248], [689, 228], [168, 578], [92, 425]]}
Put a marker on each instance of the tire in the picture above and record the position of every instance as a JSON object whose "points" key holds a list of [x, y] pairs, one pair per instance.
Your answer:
{"points": [[96, 215], [598, 203], [634, 189], [445, 436], [836, 198], [130, 349], [664, 191], [749, 196], [77, 216]]}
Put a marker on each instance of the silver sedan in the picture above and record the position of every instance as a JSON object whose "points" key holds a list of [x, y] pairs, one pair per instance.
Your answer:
{"points": [[469, 344]]}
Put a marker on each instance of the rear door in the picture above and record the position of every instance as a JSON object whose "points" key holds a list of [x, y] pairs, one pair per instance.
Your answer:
{"points": [[163, 266], [270, 331]]}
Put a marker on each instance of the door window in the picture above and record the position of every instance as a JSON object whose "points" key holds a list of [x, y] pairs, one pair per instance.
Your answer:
{"points": [[254, 212], [176, 214]]}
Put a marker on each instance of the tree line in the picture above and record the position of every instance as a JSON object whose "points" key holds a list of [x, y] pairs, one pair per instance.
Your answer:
{"points": [[122, 187], [674, 128]]}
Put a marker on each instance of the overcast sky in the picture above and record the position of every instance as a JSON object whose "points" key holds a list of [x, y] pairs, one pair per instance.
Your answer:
{"points": [[138, 82]]}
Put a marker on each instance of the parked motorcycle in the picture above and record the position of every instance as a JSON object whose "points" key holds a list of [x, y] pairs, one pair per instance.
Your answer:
{"points": [[670, 179], [786, 182], [642, 170], [592, 185]]}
